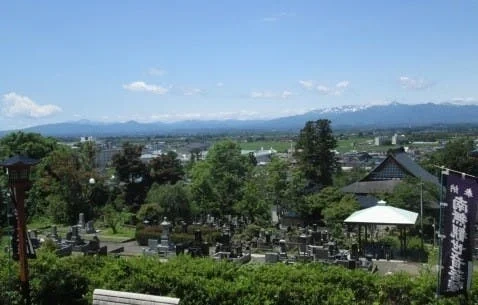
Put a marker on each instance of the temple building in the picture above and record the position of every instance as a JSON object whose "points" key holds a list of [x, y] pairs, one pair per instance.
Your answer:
{"points": [[385, 177]]}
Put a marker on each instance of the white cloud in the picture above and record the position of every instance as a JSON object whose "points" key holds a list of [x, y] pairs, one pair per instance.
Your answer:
{"points": [[343, 84], [323, 89], [336, 90], [286, 94], [140, 86], [15, 105], [270, 95], [157, 72], [192, 91], [220, 84], [414, 83], [307, 84]]}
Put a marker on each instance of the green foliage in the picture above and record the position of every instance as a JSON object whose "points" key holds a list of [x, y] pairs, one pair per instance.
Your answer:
{"points": [[133, 173], [30, 144], [151, 212], [166, 168], [143, 233], [174, 200], [406, 195], [217, 182], [315, 152], [113, 217], [315, 203], [336, 213], [456, 156], [344, 178], [253, 205], [71, 280], [53, 282], [61, 187], [276, 182]]}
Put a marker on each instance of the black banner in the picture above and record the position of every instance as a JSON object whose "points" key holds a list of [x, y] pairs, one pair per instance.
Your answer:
{"points": [[458, 225]]}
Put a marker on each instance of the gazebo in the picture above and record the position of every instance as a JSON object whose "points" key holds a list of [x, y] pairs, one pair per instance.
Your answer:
{"points": [[383, 214]]}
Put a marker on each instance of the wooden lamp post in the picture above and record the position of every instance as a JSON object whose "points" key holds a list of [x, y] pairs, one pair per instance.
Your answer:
{"points": [[18, 171]]}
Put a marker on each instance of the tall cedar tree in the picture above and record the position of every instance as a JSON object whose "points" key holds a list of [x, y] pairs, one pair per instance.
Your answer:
{"points": [[133, 173], [315, 152]]}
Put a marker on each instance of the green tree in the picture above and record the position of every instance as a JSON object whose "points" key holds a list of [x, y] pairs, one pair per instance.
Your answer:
{"points": [[455, 155], [133, 173], [113, 216], [253, 204], [295, 193], [151, 212], [173, 200], [343, 178], [315, 203], [277, 182], [336, 213], [61, 187], [32, 145], [217, 182], [315, 152], [408, 193], [88, 154], [166, 168]]}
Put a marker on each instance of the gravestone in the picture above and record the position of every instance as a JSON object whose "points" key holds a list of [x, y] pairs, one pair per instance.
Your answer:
{"points": [[282, 250], [163, 248], [81, 220], [354, 252], [89, 228], [316, 238], [73, 236], [272, 257], [184, 227], [198, 236], [75, 233], [54, 233], [303, 244]]}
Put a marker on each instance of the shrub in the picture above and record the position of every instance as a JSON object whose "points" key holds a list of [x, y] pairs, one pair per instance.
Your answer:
{"points": [[143, 233], [71, 280]]}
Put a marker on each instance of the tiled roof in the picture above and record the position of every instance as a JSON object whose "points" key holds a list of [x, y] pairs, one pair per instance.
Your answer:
{"points": [[415, 169], [371, 187]]}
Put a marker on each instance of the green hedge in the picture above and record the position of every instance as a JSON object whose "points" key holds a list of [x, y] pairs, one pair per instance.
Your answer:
{"points": [[71, 280]]}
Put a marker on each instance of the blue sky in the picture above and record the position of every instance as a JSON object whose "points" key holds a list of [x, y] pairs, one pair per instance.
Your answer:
{"points": [[174, 60]]}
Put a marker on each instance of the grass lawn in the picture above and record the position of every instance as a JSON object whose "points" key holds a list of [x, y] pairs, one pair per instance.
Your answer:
{"points": [[106, 234]]}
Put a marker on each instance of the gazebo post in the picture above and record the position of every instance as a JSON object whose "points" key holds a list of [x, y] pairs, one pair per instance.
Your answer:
{"points": [[402, 244], [405, 240], [360, 238], [365, 233]]}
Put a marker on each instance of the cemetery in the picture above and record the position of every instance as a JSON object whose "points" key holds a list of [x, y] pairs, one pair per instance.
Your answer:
{"points": [[271, 226]]}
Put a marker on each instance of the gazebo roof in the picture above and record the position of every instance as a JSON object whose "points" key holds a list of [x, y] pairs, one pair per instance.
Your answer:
{"points": [[383, 214]]}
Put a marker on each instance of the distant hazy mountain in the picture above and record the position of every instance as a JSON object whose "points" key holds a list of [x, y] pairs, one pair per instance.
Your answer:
{"points": [[378, 116]]}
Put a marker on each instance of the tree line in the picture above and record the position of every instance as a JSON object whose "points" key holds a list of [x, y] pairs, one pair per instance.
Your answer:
{"points": [[226, 182]]}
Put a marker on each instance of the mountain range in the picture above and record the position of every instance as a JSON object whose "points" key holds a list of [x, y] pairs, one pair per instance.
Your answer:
{"points": [[343, 117]]}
